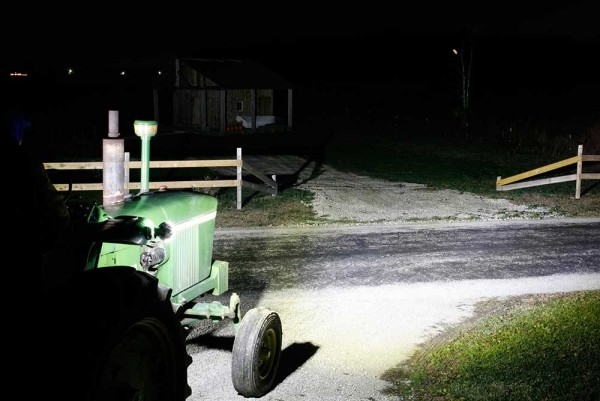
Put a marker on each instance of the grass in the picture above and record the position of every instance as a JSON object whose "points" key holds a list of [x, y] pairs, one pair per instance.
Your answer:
{"points": [[544, 347], [442, 162], [289, 207], [529, 348], [438, 163]]}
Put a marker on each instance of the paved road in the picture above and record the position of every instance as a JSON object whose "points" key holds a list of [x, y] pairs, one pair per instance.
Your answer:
{"points": [[356, 300]]}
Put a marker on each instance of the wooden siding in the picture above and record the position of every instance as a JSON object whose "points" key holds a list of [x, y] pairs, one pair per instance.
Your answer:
{"points": [[187, 105], [213, 111], [264, 102], [187, 101]]}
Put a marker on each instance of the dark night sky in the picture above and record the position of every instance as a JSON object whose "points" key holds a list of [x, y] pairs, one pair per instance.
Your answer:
{"points": [[544, 47], [317, 29]]}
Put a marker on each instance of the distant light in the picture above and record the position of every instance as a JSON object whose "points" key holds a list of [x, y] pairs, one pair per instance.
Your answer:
{"points": [[159, 72], [70, 71], [18, 74], [454, 51], [123, 73]]}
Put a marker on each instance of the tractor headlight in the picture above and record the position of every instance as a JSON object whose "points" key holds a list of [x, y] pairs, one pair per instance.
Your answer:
{"points": [[151, 257], [164, 231]]}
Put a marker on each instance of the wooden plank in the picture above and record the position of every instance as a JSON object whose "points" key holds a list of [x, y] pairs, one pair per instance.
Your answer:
{"points": [[187, 163], [183, 88], [258, 187], [154, 185], [73, 166], [579, 171], [126, 174], [534, 183], [138, 164], [261, 176], [239, 179], [540, 170], [591, 158], [590, 176], [79, 187], [203, 109], [188, 184], [223, 110]]}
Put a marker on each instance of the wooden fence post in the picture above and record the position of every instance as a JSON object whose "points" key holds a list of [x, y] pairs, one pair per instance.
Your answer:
{"points": [[239, 179], [126, 175], [579, 172]]}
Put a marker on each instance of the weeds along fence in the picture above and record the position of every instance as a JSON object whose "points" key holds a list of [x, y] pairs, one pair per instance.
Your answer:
{"points": [[268, 184], [510, 183]]}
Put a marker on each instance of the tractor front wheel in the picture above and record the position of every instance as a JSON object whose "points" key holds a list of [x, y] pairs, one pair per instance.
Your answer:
{"points": [[256, 352]]}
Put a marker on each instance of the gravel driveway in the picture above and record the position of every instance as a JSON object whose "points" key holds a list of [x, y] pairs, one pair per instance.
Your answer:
{"points": [[356, 333], [341, 197], [355, 300], [347, 197]]}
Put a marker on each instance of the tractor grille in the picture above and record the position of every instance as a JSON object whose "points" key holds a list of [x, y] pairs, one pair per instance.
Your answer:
{"points": [[186, 258]]}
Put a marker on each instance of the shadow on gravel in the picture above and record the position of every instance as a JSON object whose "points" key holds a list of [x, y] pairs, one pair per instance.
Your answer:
{"points": [[317, 157], [292, 357], [213, 342], [313, 152]]}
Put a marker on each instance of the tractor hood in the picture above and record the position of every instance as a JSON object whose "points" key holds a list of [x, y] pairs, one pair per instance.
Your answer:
{"points": [[174, 207]]}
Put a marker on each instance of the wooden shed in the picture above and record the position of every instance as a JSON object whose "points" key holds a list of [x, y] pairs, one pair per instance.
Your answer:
{"points": [[229, 95]]}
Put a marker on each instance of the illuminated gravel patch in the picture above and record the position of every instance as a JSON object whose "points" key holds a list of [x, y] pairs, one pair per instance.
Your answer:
{"points": [[366, 330], [351, 197]]}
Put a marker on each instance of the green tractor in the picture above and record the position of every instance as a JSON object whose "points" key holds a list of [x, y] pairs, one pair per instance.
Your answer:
{"points": [[147, 263]]}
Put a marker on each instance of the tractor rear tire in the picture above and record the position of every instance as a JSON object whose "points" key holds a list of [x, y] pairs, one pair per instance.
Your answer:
{"points": [[118, 338], [256, 352]]}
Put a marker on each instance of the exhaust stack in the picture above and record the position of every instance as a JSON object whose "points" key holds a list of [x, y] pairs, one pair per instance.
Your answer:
{"points": [[113, 171], [145, 130]]}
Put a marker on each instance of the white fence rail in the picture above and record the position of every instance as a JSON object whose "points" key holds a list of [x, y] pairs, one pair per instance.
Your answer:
{"points": [[269, 185]]}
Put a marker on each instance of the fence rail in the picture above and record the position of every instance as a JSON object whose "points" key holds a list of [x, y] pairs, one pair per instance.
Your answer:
{"points": [[509, 183], [269, 185]]}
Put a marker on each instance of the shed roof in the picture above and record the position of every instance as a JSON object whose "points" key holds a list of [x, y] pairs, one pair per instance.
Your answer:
{"points": [[238, 74]]}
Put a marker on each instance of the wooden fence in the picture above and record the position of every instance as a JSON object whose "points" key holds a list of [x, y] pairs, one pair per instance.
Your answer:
{"points": [[269, 185], [505, 184]]}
